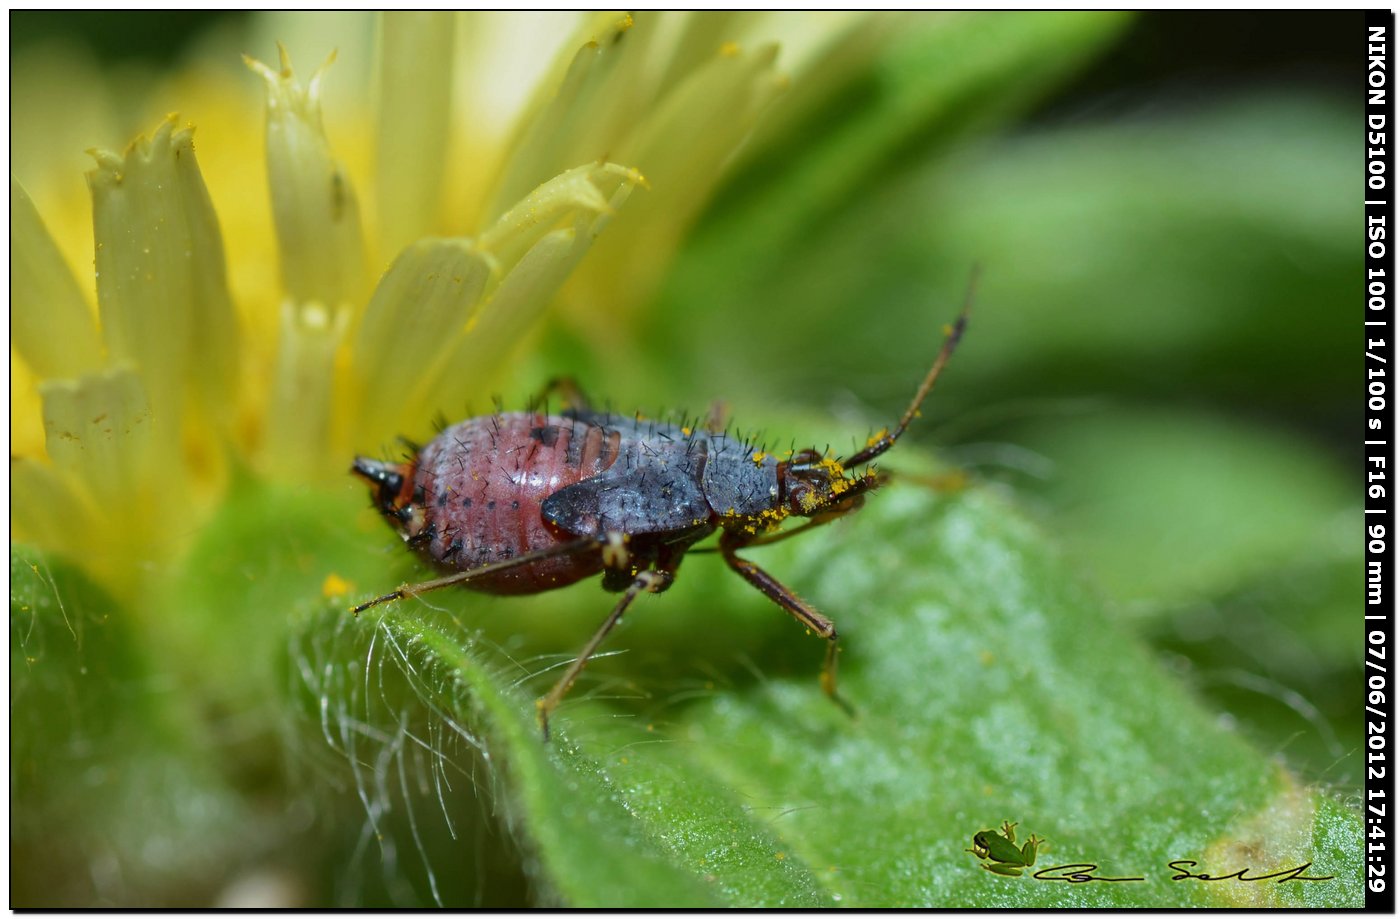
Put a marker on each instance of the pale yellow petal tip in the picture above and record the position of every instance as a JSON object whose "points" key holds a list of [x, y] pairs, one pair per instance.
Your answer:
{"points": [[166, 136], [629, 174], [313, 86], [144, 149], [260, 68], [334, 587], [282, 86], [284, 63]]}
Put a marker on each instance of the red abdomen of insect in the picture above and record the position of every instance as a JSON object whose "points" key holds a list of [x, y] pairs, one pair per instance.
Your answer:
{"points": [[477, 490]]}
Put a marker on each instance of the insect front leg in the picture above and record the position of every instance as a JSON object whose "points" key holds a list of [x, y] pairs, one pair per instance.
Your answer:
{"points": [[528, 558], [798, 608], [648, 581]]}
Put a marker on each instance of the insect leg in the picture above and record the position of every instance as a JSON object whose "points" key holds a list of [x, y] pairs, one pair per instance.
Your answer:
{"points": [[717, 417], [798, 608], [649, 581], [413, 590], [768, 539], [568, 390]]}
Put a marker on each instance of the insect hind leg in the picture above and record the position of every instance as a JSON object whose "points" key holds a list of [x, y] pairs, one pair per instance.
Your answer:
{"points": [[796, 607]]}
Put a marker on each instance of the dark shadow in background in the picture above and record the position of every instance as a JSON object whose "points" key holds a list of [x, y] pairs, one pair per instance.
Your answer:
{"points": [[1164, 54]]}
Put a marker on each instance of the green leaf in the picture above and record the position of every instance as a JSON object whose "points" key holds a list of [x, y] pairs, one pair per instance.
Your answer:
{"points": [[943, 77], [1212, 518], [1189, 255], [696, 762], [119, 805], [1231, 545], [704, 767]]}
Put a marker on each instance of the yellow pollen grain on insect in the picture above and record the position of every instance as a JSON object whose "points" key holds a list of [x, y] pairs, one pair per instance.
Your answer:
{"points": [[877, 437], [686, 431], [335, 586], [759, 457]]}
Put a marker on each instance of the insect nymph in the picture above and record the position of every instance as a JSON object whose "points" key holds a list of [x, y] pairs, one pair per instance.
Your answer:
{"points": [[524, 502]]}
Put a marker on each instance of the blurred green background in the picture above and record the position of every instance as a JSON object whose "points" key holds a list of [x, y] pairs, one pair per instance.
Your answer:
{"points": [[1162, 363]]}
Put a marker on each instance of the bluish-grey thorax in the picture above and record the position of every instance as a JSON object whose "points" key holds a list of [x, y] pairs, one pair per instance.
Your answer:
{"points": [[739, 479], [669, 467]]}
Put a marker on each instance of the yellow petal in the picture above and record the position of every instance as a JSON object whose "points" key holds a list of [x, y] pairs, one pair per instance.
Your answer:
{"points": [[26, 409], [48, 511], [161, 279], [683, 147], [551, 205], [417, 312], [415, 95], [517, 304], [301, 404], [313, 201], [98, 430], [500, 324], [575, 119], [558, 222], [51, 324], [503, 61]]}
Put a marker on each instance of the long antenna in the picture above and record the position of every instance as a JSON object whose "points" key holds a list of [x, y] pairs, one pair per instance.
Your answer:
{"points": [[952, 335]]}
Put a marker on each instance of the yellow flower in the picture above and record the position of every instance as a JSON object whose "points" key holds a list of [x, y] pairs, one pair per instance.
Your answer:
{"points": [[406, 252]]}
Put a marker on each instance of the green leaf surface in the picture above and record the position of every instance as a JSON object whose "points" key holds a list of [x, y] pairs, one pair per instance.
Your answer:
{"points": [[119, 805], [1231, 545], [701, 765], [1169, 508]]}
